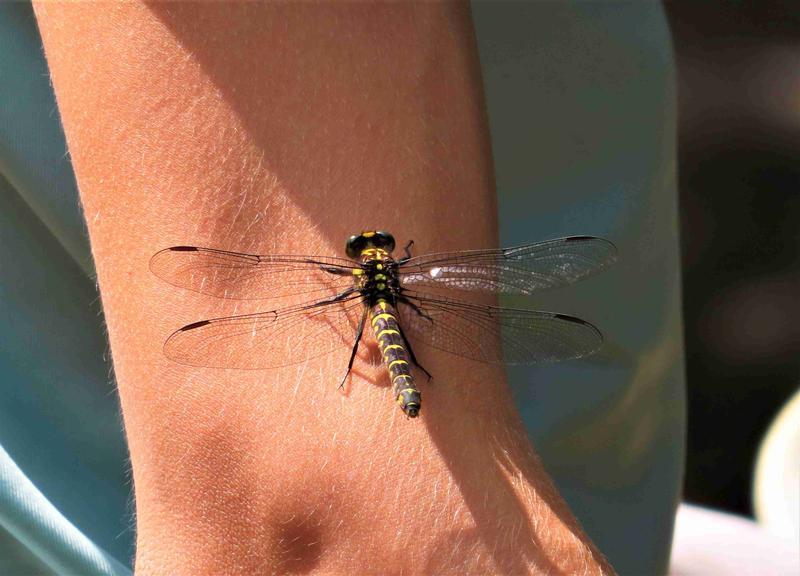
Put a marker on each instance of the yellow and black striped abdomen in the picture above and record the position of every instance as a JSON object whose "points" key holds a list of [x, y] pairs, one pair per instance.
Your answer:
{"points": [[395, 356]]}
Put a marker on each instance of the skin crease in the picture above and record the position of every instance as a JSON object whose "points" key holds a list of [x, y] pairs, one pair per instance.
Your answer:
{"points": [[285, 128]]}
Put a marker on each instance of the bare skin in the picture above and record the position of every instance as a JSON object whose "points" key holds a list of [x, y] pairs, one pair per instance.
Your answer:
{"points": [[271, 128]]}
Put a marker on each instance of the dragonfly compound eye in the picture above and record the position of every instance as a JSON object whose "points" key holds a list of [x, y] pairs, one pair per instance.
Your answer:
{"points": [[383, 240], [354, 246], [369, 239]]}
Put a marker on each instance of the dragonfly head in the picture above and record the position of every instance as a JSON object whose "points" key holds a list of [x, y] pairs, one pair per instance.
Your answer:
{"points": [[369, 239]]}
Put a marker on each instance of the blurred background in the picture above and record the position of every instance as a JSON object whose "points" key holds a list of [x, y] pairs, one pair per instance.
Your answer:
{"points": [[739, 179]]}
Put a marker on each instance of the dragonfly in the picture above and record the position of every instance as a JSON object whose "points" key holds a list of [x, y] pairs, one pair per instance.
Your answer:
{"points": [[437, 300]]}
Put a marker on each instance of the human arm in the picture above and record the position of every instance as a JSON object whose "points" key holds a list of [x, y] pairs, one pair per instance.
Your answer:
{"points": [[285, 128]]}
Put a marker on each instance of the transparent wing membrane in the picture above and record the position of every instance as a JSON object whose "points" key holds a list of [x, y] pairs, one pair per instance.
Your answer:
{"points": [[520, 270], [492, 334], [285, 336], [268, 339], [239, 276]]}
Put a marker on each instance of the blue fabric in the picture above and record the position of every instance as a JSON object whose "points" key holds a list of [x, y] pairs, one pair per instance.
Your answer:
{"points": [[34, 522], [582, 106], [64, 484], [582, 109]]}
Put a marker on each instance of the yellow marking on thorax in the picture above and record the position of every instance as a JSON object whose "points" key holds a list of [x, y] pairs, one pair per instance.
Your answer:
{"points": [[387, 331], [396, 378], [393, 346], [378, 253], [407, 390], [393, 362]]}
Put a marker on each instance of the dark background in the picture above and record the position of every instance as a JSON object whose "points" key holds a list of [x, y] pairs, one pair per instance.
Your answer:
{"points": [[739, 174]]}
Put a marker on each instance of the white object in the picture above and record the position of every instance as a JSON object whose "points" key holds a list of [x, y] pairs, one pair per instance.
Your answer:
{"points": [[711, 543], [776, 490]]}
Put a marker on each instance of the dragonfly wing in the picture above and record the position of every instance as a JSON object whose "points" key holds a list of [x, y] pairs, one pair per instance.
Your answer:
{"points": [[520, 270], [268, 339], [493, 334], [239, 276]]}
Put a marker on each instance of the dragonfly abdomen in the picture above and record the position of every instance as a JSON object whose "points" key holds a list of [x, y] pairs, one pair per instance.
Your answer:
{"points": [[395, 356]]}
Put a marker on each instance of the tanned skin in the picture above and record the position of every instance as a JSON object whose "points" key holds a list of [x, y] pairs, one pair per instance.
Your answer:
{"points": [[285, 128]]}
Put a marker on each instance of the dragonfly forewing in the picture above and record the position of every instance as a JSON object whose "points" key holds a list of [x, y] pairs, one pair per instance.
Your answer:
{"points": [[239, 276], [521, 270]]}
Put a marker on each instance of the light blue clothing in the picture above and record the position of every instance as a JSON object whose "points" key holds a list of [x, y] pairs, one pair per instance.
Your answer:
{"points": [[581, 102], [582, 106], [65, 494]]}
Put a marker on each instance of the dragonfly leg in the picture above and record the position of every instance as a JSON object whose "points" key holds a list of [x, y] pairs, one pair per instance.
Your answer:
{"points": [[338, 298], [407, 250], [411, 353], [415, 308], [355, 346]]}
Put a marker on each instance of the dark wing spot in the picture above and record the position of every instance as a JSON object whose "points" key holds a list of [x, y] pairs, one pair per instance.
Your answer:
{"points": [[572, 319], [184, 249], [194, 325]]}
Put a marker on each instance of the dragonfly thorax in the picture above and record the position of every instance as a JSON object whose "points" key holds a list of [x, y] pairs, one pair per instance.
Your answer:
{"points": [[377, 277]]}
